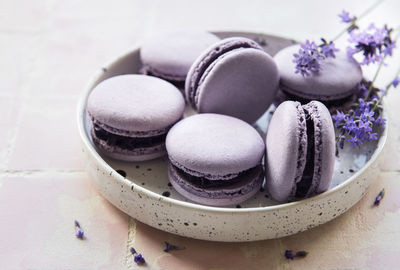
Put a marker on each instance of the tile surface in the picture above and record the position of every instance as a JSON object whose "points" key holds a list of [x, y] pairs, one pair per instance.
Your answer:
{"points": [[50, 49]]}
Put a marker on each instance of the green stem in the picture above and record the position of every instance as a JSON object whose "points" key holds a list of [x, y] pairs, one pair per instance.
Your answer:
{"points": [[368, 10], [377, 73], [341, 33], [375, 77], [390, 85]]}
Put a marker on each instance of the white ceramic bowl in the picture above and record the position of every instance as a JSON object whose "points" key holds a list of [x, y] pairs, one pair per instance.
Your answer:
{"points": [[145, 192]]}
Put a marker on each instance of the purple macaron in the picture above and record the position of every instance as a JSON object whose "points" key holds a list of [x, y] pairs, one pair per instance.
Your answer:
{"points": [[300, 151], [337, 79], [170, 55], [215, 159], [131, 115], [233, 77]]}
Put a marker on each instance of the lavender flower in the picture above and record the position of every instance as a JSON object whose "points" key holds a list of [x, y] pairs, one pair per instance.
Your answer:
{"points": [[356, 126], [362, 90], [310, 55], [374, 43], [379, 197], [328, 49], [345, 17], [137, 257], [289, 254], [169, 247], [380, 121], [396, 82], [78, 231], [338, 118], [307, 59]]}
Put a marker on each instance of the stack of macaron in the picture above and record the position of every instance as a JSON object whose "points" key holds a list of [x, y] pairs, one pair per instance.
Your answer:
{"points": [[216, 157]]}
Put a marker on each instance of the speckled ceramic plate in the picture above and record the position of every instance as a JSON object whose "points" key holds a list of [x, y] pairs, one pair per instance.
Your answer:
{"points": [[142, 189]]}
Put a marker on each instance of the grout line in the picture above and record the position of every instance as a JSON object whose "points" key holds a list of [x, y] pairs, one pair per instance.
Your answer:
{"points": [[130, 243], [390, 171], [25, 89], [39, 173], [14, 134]]}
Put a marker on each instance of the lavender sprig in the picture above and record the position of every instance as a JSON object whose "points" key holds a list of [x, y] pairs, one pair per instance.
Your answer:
{"points": [[346, 18], [310, 55], [308, 58], [374, 44], [78, 231], [357, 125], [137, 257], [289, 254], [379, 197]]}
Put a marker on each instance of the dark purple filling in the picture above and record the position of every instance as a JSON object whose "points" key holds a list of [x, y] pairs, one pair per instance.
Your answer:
{"points": [[127, 143], [204, 183], [178, 84], [304, 185], [328, 103]]}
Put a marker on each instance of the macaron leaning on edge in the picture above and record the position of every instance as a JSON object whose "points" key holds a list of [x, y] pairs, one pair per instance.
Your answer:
{"points": [[170, 55], [233, 77], [337, 78], [131, 115], [215, 159], [300, 151]]}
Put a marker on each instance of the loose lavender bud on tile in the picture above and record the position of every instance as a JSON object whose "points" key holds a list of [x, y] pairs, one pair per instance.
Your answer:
{"points": [[77, 224], [78, 231], [169, 247], [289, 254], [379, 197], [137, 257], [79, 234]]}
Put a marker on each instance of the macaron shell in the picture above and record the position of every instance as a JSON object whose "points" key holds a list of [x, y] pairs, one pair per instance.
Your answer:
{"points": [[214, 145], [241, 83], [138, 154], [337, 79], [207, 57], [135, 103], [231, 195], [286, 144], [170, 55], [324, 135]]}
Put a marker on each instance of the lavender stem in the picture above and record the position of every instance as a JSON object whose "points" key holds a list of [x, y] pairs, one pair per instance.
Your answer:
{"points": [[368, 10]]}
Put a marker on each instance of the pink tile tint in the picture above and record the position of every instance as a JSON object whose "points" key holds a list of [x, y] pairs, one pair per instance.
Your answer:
{"points": [[37, 224], [203, 254], [17, 54], [9, 112], [74, 61], [47, 137], [22, 15]]}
